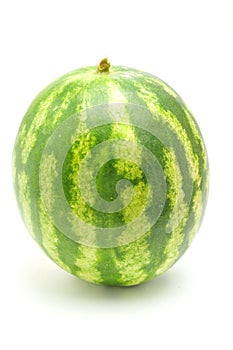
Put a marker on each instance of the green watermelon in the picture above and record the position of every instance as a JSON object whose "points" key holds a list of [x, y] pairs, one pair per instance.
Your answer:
{"points": [[111, 174]]}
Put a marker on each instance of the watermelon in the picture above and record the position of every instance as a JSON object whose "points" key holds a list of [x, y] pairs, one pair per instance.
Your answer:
{"points": [[110, 173]]}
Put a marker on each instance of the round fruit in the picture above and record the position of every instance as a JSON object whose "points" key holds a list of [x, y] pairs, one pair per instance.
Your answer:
{"points": [[111, 174]]}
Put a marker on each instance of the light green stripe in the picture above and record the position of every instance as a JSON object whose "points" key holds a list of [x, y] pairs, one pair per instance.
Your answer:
{"points": [[167, 88], [135, 258], [173, 247], [179, 213], [176, 193], [50, 238], [86, 143], [48, 172], [197, 208], [59, 110], [25, 200], [115, 94], [86, 263], [27, 143]]}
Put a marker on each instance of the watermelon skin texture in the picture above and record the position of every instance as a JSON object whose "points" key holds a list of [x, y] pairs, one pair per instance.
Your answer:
{"points": [[111, 126]]}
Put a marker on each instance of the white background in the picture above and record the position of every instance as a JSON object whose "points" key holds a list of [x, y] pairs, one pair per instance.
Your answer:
{"points": [[186, 43]]}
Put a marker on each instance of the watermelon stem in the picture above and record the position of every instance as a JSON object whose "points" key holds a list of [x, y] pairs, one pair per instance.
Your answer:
{"points": [[103, 66]]}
